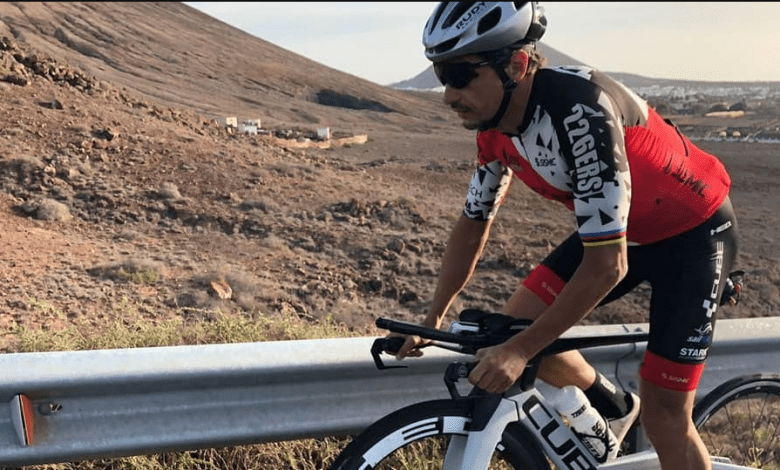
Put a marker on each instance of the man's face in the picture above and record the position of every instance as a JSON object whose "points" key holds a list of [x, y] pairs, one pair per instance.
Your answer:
{"points": [[472, 89]]}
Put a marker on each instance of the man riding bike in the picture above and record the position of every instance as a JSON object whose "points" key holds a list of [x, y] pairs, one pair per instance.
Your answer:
{"points": [[649, 206]]}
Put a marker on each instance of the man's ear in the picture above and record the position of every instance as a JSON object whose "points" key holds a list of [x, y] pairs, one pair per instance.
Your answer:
{"points": [[518, 65]]}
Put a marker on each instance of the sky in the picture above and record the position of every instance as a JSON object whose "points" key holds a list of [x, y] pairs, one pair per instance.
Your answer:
{"points": [[382, 41]]}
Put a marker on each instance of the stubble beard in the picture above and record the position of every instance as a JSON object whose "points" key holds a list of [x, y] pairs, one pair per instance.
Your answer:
{"points": [[471, 125]]}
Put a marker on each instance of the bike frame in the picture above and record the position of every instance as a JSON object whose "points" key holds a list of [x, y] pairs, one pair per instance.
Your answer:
{"points": [[529, 408], [473, 449]]}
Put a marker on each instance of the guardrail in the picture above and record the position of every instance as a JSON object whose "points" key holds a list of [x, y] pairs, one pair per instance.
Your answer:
{"points": [[83, 405]]}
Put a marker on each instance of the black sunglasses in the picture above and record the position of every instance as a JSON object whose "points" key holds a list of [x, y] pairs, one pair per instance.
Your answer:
{"points": [[458, 74]]}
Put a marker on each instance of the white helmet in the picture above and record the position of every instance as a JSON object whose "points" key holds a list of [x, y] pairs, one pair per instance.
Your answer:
{"points": [[463, 28]]}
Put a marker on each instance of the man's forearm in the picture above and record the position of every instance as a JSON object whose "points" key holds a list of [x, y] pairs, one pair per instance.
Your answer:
{"points": [[461, 255]]}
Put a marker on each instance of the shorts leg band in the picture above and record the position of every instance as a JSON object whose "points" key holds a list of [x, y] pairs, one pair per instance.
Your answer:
{"points": [[544, 283], [669, 374]]}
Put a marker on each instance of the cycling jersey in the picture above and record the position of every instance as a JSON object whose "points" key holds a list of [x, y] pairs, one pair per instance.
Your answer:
{"points": [[592, 144]]}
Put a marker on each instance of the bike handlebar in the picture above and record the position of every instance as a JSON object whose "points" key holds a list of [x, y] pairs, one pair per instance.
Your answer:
{"points": [[470, 342], [406, 328], [391, 345], [466, 343]]}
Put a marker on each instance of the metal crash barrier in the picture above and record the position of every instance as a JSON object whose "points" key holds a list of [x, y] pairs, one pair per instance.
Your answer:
{"points": [[84, 405]]}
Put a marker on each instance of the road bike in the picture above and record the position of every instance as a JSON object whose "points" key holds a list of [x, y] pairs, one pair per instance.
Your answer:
{"points": [[519, 429]]}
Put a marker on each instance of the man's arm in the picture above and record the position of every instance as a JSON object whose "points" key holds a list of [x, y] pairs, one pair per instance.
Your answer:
{"points": [[487, 189], [601, 269], [461, 255], [464, 248]]}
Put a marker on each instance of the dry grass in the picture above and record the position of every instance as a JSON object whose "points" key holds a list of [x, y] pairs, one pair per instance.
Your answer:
{"points": [[217, 328]]}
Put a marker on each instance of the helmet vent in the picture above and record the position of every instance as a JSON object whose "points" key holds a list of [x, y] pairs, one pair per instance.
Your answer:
{"points": [[446, 45], [489, 21], [456, 13], [436, 16]]}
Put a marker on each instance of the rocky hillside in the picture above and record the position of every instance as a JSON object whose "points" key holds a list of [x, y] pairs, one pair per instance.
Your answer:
{"points": [[171, 53], [116, 203], [122, 194]]}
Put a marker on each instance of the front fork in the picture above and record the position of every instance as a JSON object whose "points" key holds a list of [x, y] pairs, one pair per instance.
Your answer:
{"points": [[473, 451], [489, 417]]}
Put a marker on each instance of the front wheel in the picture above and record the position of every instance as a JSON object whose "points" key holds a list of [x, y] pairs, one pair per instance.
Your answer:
{"points": [[740, 420], [416, 437]]}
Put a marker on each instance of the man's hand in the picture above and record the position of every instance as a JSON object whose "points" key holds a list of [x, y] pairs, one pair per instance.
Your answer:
{"points": [[411, 347], [498, 367]]}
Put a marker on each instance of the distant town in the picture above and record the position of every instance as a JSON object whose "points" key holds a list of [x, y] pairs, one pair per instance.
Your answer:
{"points": [[738, 111]]}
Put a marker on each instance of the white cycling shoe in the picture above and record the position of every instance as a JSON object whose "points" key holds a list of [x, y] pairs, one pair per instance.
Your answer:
{"points": [[621, 426]]}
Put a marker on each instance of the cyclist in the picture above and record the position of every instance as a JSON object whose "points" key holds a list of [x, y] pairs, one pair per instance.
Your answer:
{"points": [[649, 206]]}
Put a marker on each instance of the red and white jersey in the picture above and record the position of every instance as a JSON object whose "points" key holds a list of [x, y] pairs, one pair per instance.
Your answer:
{"points": [[591, 143]]}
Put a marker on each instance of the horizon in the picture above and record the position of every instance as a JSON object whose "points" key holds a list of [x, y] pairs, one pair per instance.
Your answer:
{"points": [[642, 39]]}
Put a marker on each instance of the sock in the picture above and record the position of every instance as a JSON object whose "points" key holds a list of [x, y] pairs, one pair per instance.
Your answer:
{"points": [[607, 398]]}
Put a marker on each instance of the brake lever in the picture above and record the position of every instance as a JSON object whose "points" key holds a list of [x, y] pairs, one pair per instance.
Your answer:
{"points": [[456, 371], [386, 344], [391, 345]]}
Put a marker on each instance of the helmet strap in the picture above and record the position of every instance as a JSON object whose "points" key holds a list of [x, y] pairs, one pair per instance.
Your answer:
{"points": [[509, 89]]}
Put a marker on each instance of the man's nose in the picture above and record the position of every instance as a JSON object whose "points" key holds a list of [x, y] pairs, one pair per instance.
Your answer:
{"points": [[451, 95]]}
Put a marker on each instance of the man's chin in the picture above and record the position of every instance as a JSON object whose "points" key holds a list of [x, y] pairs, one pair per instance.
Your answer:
{"points": [[471, 124]]}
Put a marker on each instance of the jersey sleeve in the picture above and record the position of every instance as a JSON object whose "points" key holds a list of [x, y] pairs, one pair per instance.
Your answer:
{"points": [[491, 179], [595, 143], [487, 190]]}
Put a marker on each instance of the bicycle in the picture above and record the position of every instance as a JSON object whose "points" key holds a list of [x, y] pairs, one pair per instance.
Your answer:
{"points": [[518, 429]]}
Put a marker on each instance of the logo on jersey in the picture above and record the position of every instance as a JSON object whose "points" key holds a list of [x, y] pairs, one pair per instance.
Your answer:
{"points": [[674, 378], [488, 187], [703, 335], [704, 329], [544, 161], [588, 168], [542, 150], [693, 353], [676, 167]]}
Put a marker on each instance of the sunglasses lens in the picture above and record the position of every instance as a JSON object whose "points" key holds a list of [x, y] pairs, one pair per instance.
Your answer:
{"points": [[456, 75]]}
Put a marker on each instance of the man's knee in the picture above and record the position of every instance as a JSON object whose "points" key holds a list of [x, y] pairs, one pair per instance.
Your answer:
{"points": [[665, 413], [524, 304], [567, 368], [662, 419]]}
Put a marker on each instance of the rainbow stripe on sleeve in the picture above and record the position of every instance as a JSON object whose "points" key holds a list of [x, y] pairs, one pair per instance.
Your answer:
{"points": [[610, 237]]}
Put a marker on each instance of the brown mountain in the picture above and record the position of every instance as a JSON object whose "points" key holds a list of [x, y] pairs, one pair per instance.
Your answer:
{"points": [[172, 53], [118, 188]]}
